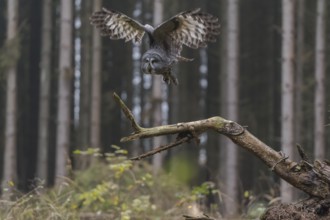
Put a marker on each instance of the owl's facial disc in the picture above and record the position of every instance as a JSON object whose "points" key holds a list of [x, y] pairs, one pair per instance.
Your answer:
{"points": [[152, 63]]}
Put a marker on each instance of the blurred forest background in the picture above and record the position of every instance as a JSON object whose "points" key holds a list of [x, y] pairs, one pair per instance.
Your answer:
{"points": [[268, 71]]}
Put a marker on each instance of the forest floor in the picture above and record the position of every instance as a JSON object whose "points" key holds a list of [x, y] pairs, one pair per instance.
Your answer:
{"points": [[308, 209], [115, 188]]}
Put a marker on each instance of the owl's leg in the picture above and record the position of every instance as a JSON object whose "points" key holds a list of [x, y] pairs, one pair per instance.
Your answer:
{"points": [[169, 78]]}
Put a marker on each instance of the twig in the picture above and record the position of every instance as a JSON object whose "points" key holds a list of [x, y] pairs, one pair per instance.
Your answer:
{"points": [[302, 153], [162, 148], [204, 217], [128, 113], [279, 161]]}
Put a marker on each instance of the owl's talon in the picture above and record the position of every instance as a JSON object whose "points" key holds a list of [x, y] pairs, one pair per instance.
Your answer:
{"points": [[174, 80], [168, 79]]}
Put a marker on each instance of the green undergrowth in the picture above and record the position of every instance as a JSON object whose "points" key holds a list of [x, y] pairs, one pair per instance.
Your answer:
{"points": [[111, 188]]}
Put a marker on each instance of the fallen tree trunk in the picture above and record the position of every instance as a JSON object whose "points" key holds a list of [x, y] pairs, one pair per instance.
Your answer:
{"points": [[312, 178]]}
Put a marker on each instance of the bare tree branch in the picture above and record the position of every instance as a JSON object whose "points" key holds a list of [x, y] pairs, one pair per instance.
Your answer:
{"points": [[314, 179], [127, 112]]}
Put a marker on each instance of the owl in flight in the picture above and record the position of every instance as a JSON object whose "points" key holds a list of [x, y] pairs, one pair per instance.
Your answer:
{"points": [[192, 28]]}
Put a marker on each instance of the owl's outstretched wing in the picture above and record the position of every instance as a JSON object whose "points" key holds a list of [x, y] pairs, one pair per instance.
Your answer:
{"points": [[192, 28], [117, 25]]}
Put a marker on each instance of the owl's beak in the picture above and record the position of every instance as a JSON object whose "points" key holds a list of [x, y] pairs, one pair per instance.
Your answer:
{"points": [[149, 68], [149, 65], [151, 61], [146, 68]]}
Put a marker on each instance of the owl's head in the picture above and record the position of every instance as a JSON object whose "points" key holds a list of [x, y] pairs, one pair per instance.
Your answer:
{"points": [[155, 62]]}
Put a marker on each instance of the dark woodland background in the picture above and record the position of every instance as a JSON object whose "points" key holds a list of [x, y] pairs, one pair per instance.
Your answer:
{"points": [[199, 94]]}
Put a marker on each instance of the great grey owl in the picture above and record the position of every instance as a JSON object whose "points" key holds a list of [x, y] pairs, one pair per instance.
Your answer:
{"points": [[192, 28]]}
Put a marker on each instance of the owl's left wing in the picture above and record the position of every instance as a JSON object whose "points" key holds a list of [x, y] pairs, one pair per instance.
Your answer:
{"points": [[192, 28], [117, 25]]}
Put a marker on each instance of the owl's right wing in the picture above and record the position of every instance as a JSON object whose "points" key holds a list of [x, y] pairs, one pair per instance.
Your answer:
{"points": [[117, 25], [192, 28]]}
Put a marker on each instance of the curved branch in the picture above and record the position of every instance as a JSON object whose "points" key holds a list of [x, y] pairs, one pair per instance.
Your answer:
{"points": [[314, 179]]}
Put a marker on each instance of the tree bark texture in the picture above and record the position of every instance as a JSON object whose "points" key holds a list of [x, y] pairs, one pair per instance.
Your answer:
{"points": [[300, 45], [157, 93], [64, 91], [96, 85], [287, 128], [44, 101], [319, 102], [83, 137], [231, 105], [10, 153]]}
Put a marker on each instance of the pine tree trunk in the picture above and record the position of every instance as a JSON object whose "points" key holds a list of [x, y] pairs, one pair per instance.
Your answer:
{"points": [[299, 71], [10, 154], [287, 128], [213, 91], [83, 133], [96, 84], [157, 97], [223, 90], [319, 102], [44, 102], [230, 98], [64, 91]]}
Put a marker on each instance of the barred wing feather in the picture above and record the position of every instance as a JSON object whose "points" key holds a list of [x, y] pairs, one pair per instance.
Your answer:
{"points": [[192, 28], [117, 25]]}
